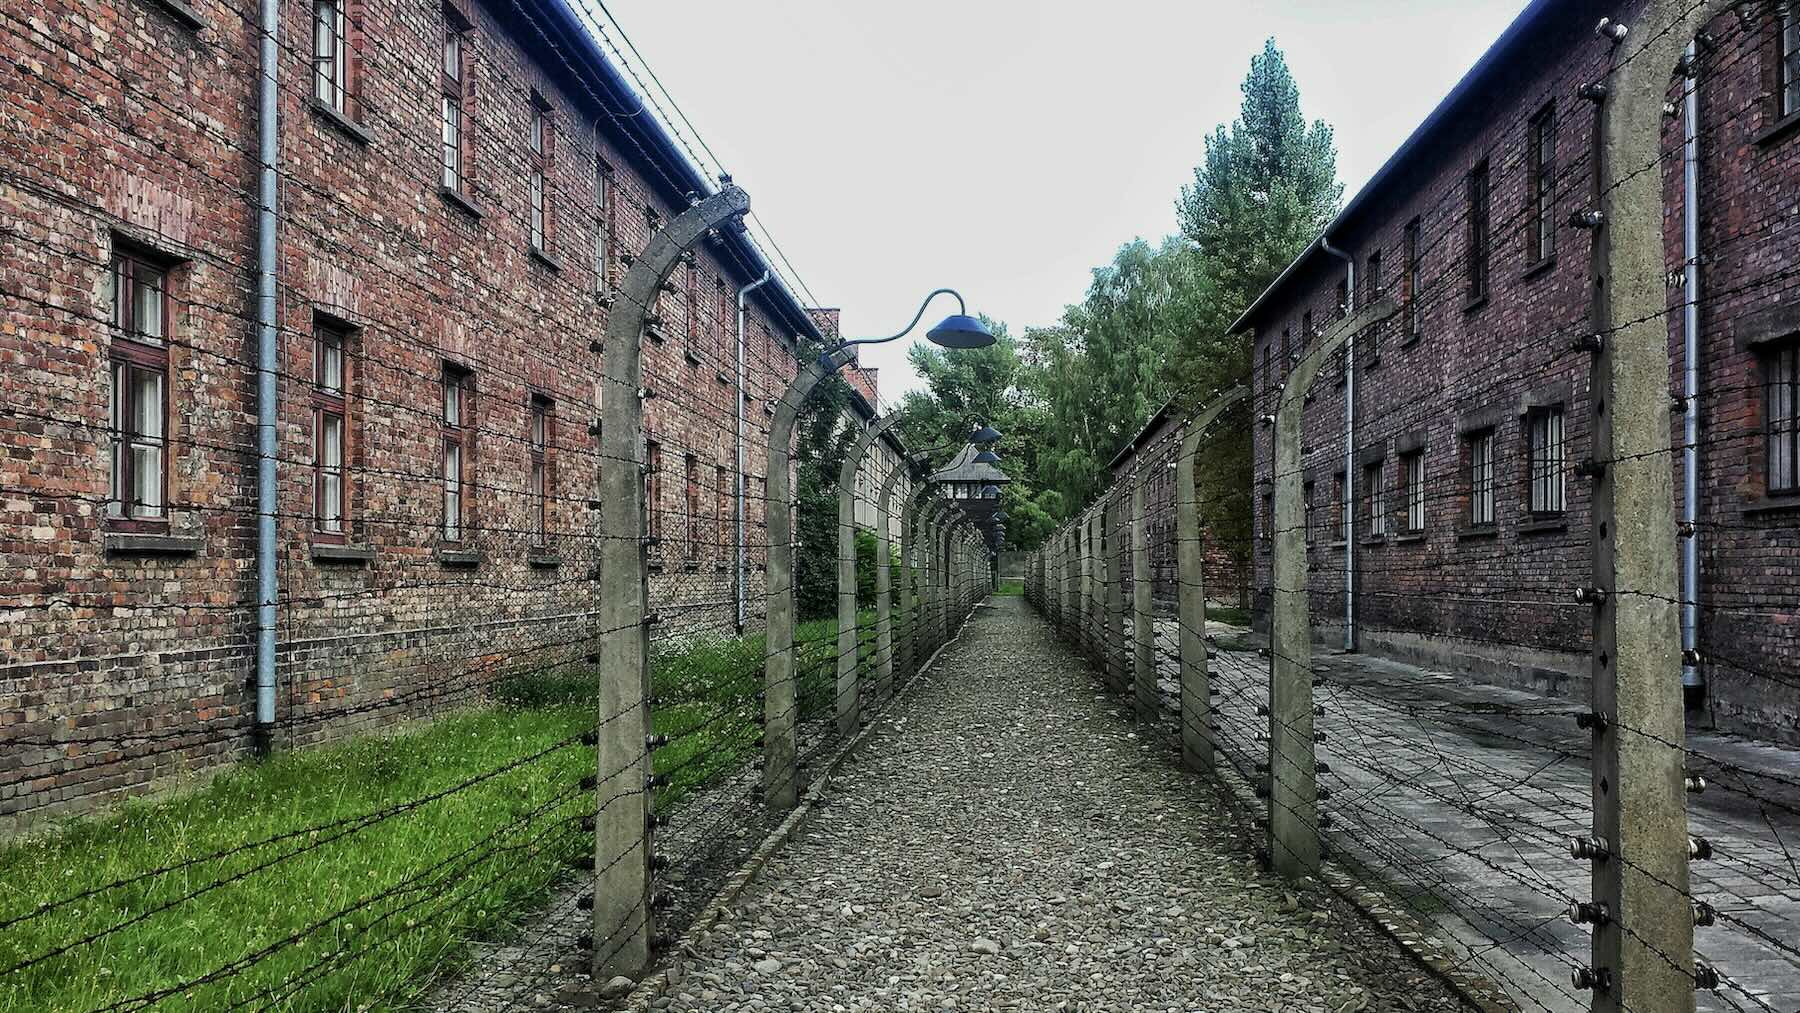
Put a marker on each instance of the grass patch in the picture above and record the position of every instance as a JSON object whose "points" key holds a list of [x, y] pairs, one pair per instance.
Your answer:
{"points": [[1011, 589], [1229, 614], [363, 886]]}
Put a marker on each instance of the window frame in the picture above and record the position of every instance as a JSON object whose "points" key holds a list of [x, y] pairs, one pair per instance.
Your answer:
{"points": [[605, 225], [1547, 457], [329, 402], [1787, 62], [1306, 505], [541, 148], [460, 435], [1540, 186], [1777, 429], [653, 491], [1480, 476], [1412, 491], [1410, 278], [131, 351], [1374, 497], [453, 94], [339, 81], [540, 435], [690, 473], [1371, 335], [1479, 194]]}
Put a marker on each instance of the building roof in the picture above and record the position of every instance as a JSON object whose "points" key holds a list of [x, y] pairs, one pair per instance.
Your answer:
{"points": [[627, 116], [1143, 434], [1510, 43], [963, 468]]}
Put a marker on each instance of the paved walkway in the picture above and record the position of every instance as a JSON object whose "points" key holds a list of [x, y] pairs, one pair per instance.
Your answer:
{"points": [[1005, 841]]}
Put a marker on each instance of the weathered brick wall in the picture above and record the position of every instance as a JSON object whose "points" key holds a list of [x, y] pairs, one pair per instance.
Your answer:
{"points": [[117, 669], [1151, 460], [1498, 601]]}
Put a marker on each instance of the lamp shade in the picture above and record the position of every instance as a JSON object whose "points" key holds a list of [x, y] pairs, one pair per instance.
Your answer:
{"points": [[987, 457], [985, 435], [960, 331]]}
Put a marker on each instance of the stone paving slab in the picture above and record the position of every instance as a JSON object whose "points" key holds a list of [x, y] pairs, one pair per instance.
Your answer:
{"points": [[1007, 841]]}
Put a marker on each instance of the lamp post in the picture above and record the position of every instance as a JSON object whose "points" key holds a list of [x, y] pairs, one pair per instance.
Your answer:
{"points": [[781, 789]]}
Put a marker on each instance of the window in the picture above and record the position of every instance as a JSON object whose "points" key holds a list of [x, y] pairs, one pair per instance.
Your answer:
{"points": [[1268, 522], [1375, 496], [725, 324], [1306, 327], [141, 310], [1409, 283], [1788, 70], [1478, 232], [331, 54], [653, 488], [1481, 478], [1371, 335], [603, 228], [452, 76], [459, 417], [1783, 404], [1287, 353], [1342, 520], [1545, 438], [1540, 241], [1306, 500], [691, 465], [541, 135], [693, 309], [1412, 477], [540, 470], [330, 434], [721, 511], [1343, 298], [1268, 367]]}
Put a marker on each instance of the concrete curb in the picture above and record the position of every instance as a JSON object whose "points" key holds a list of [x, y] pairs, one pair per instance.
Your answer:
{"points": [[656, 984]]}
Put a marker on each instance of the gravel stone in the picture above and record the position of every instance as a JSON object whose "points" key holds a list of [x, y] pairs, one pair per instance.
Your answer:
{"points": [[1006, 841]]}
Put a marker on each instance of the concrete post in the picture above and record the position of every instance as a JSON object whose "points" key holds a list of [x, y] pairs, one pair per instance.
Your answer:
{"points": [[622, 847], [1293, 778], [884, 612], [781, 772], [1190, 589], [1071, 578], [1118, 641], [911, 602], [1085, 633], [849, 647], [1143, 618], [1643, 950]]}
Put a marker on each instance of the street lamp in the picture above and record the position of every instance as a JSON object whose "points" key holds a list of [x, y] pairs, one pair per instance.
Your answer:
{"points": [[958, 330]]}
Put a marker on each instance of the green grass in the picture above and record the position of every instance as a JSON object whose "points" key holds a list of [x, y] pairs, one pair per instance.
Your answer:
{"points": [[342, 850], [1230, 614], [1011, 589]]}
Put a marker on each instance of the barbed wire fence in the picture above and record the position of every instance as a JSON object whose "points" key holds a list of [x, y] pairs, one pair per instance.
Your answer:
{"points": [[1490, 817]]}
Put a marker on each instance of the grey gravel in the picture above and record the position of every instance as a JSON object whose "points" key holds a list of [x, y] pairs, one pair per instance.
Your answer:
{"points": [[1006, 841]]}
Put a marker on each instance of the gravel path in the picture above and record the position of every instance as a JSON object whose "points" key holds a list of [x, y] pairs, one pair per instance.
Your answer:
{"points": [[1004, 841]]}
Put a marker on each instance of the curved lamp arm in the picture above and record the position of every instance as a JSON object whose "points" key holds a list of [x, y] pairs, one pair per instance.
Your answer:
{"points": [[960, 308]]}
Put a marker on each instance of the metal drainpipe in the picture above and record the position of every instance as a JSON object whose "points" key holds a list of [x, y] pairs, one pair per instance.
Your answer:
{"points": [[1349, 446], [269, 150], [743, 575], [1693, 680]]}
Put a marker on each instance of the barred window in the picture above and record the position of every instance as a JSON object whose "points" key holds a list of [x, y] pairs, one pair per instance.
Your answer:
{"points": [[1375, 495], [540, 469], [1783, 397], [330, 437], [1479, 226], [1306, 498], [1409, 282], [1541, 237], [331, 54], [1545, 439], [541, 136], [692, 468], [1481, 478], [458, 421], [139, 408], [451, 78], [1788, 50], [1412, 471], [603, 227]]}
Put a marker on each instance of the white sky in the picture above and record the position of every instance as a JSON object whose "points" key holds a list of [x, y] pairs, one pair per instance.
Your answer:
{"points": [[1004, 149]]}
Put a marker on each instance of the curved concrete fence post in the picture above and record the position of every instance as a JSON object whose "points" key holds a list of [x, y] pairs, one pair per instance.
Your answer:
{"points": [[849, 638], [884, 583], [1190, 583], [622, 879]]}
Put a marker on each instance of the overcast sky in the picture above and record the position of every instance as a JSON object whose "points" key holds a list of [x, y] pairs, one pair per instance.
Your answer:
{"points": [[1004, 147]]}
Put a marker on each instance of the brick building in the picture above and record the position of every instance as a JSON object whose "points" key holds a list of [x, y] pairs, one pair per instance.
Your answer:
{"points": [[462, 184], [1467, 522]]}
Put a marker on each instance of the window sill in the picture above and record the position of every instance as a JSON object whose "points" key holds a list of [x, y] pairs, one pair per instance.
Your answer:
{"points": [[1338, 546], [1779, 130], [339, 552], [147, 543], [1471, 534], [344, 124], [719, 375], [543, 257], [462, 202], [543, 559], [1411, 340], [1544, 525], [1412, 538], [691, 356], [690, 568], [1780, 502], [1538, 268], [653, 330], [458, 557], [1475, 305], [183, 13], [1373, 363], [721, 567], [1373, 540]]}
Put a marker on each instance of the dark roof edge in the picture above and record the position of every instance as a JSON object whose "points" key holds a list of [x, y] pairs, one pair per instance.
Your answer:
{"points": [[1131, 447], [664, 150], [1476, 75]]}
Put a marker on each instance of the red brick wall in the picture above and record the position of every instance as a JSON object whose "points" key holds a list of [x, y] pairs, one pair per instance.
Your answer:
{"points": [[1502, 598], [118, 669]]}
